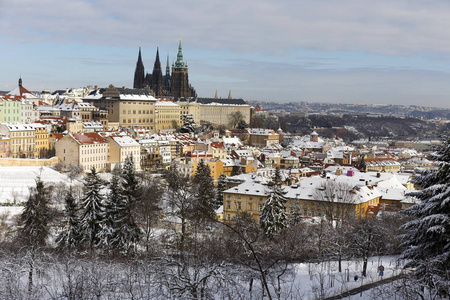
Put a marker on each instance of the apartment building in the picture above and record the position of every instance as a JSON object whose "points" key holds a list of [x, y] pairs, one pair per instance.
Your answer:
{"points": [[22, 139], [87, 150], [121, 147]]}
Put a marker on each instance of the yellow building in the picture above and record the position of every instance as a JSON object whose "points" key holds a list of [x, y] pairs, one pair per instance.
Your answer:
{"points": [[121, 147], [303, 199], [22, 137], [168, 115], [41, 140], [190, 108]]}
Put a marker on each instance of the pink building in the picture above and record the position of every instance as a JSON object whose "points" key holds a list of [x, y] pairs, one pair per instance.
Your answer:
{"points": [[4, 146]]}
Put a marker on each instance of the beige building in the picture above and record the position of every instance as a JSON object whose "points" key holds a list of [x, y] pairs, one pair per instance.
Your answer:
{"points": [[260, 137], [126, 107], [168, 115], [219, 111], [22, 143], [121, 147], [84, 149], [190, 108]]}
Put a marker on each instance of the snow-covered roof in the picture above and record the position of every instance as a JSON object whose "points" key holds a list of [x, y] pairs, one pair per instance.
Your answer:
{"points": [[125, 141], [166, 103]]}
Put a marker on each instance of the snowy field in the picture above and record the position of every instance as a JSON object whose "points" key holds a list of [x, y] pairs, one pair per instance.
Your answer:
{"points": [[324, 280], [15, 182], [160, 279]]}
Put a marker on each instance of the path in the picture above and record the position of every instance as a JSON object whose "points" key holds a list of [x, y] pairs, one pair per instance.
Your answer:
{"points": [[365, 287]]}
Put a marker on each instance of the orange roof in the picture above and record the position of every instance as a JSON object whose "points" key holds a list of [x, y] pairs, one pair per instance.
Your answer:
{"points": [[217, 145]]}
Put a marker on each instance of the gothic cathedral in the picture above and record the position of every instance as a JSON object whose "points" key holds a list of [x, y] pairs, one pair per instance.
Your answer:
{"points": [[175, 85]]}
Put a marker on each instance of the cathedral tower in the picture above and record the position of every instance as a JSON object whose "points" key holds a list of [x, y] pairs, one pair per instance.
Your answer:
{"points": [[139, 73], [180, 79], [157, 83]]}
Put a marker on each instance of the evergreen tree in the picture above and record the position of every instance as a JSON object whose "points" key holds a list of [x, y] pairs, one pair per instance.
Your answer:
{"points": [[113, 208], [204, 193], [427, 237], [36, 216], [70, 237], [128, 232], [273, 217], [221, 186], [92, 209]]}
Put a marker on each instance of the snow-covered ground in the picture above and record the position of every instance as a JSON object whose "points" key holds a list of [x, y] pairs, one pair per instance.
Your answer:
{"points": [[15, 182], [323, 279]]}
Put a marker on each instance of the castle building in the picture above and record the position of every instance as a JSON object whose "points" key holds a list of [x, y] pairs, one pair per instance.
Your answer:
{"points": [[176, 85]]}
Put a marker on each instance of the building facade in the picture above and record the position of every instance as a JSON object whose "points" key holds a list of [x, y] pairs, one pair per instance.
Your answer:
{"points": [[126, 107]]}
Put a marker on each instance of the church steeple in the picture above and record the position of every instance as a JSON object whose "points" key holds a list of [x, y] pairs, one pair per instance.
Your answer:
{"points": [[157, 64], [20, 81], [180, 63], [229, 95], [216, 97], [167, 66], [139, 73], [157, 78]]}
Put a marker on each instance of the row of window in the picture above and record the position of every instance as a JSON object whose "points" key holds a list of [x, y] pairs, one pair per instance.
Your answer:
{"points": [[139, 121], [148, 112]]}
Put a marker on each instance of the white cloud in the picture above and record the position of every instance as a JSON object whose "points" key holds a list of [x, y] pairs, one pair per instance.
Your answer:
{"points": [[383, 26]]}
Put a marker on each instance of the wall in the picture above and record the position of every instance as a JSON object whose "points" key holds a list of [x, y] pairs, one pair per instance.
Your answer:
{"points": [[28, 162]]}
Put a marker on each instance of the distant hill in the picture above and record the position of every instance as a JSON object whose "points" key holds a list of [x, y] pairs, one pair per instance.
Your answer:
{"points": [[365, 126], [4, 92]]}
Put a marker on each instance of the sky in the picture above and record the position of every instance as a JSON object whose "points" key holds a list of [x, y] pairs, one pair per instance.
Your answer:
{"points": [[347, 51]]}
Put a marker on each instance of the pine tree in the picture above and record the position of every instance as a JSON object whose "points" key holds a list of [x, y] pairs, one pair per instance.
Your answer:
{"points": [[221, 186], [36, 216], [427, 237], [204, 193], [128, 232], [273, 217], [92, 209], [70, 236], [113, 208]]}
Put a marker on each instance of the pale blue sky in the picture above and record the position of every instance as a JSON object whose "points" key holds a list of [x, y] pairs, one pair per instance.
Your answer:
{"points": [[331, 51]]}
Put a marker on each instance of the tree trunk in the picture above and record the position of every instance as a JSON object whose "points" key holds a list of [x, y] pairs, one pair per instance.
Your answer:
{"points": [[340, 263], [30, 278], [364, 273]]}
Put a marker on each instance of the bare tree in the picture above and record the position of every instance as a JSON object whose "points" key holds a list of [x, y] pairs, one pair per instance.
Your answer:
{"points": [[148, 209], [337, 200]]}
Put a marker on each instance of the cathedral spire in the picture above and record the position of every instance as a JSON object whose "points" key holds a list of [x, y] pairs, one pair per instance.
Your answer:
{"points": [[139, 73], [157, 64], [229, 95], [216, 97], [167, 66], [180, 63]]}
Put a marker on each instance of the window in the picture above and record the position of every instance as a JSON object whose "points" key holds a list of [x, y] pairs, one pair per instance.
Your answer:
{"points": [[228, 217], [228, 205], [239, 205]]}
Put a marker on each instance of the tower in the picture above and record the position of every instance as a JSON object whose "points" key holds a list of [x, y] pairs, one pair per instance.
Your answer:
{"points": [[139, 73], [167, 78], [157, 78], [180, 79]]}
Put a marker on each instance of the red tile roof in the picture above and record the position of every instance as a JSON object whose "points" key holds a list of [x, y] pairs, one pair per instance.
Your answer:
{"points": [[88, 138]]}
